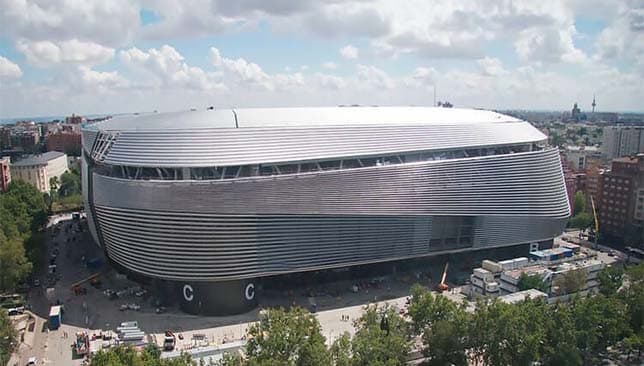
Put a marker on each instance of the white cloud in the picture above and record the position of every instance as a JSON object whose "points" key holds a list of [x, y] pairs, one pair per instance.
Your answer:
{"points": [[421, 77], [104, 81], [623, 38], [48, 53], [111, 23], [330, 65], [251, 74], [167, 67], [374, 77], [491, 66], [349, 52], [330, 81], [9, 70], [548, 45]]}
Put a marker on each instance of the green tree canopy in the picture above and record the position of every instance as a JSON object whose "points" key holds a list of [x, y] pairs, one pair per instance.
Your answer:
{"points": [[382, 338], [570, 282], [128, 356], [581, 220], [284, 337], [7, 337], [70, 184], [579, 202], [23, 213], [528, 281], [610, 280]]}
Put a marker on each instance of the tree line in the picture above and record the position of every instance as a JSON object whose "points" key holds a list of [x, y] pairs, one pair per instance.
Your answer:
{"points": [[65, 193], [530, 332], [23, 215]]}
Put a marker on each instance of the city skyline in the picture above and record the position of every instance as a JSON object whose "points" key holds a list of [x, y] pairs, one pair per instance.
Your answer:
{"points": [[119, 56]]}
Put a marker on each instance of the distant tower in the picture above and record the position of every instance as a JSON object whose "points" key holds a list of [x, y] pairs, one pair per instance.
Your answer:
{"points": [[594, 103], [575, 111]]}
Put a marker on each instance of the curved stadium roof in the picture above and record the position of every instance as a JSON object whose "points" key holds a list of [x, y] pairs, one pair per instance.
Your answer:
{"points": [[274, 135], [301, 117]]}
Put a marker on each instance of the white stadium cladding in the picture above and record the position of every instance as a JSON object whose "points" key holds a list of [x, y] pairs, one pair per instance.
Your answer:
{"points": [[225, 195]]}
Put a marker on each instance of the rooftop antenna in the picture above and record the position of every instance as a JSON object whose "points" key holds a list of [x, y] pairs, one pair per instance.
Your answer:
{"points": [[235, 114], [434, 95]]}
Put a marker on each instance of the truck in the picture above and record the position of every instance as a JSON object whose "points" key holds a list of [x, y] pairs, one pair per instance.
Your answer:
{"points": [[169, 341], [55, 317]]}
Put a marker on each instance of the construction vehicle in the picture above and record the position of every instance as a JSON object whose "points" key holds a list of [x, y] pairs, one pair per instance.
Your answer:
{"points": [[169, 341], [81, 346], [77, 288], [441, 287]]}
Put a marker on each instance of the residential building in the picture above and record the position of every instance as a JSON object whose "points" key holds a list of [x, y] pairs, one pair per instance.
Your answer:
{"points": [[577, 156], [5, 138], [5, 173], [594, 168], [620, 189], [69, 143], [26, 139], [39, 169], [620, 141], [74, 119]]}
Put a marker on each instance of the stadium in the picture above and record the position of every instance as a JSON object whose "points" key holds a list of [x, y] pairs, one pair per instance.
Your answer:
{"points": [[206, 203]]}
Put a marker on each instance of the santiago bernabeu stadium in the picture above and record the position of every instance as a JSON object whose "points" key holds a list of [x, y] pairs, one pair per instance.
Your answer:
{"points": [[206, 203]]}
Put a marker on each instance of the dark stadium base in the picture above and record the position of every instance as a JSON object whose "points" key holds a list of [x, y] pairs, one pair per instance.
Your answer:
{"points": [[240, 296], [199, 298]]}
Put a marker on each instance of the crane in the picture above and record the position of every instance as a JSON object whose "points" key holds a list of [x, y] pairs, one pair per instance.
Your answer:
{"points": [[592, 203], [76, 287], [443, 286]]}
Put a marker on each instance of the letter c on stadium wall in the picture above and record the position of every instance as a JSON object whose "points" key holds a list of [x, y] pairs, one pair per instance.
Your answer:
{"points": [[188, 293], [250, 291]]}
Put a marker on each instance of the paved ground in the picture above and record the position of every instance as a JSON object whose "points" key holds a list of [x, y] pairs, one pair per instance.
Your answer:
{"points": [[94, 312]]}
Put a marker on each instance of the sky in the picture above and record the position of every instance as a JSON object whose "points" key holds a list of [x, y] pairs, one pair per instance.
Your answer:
{"points": [[59, 57]]}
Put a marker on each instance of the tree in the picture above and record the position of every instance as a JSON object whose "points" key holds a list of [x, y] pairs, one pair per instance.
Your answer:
{"points": [[579, 202], [634, 298], [581, 220], [560, 347], [556, 139], [599, 322], [570, 282], [128, 356], [23, 213], [445, 343], [441, 322], [425, 308], [528, 281], [341, 350], [378, 345], [508, 334], [7, 337], [70, 184], [14, 265], [287, 338], [54, 185], [610, 280]]}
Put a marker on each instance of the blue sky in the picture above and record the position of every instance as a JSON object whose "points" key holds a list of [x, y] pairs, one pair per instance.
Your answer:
{"points": [[119, 56]]}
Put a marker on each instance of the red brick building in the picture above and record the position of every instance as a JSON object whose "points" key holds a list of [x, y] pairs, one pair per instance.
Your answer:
{"points": [[5, 173], [69, 143], [621, 201]]}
